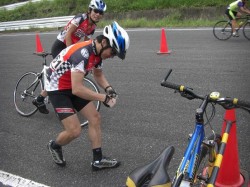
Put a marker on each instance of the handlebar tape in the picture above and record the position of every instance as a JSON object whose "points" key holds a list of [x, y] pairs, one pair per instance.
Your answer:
{"points": [[241, 103], [173, 86]]}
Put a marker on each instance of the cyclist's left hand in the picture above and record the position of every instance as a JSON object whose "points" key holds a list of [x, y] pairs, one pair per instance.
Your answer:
{"points": [[111, 92]]}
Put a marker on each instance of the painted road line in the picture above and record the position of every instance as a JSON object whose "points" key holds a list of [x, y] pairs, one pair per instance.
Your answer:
{"points": [[10, 180]]}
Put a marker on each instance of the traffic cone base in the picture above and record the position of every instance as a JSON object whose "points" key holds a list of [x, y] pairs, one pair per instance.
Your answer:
{"points": [[162, 53], [163, 45], [229, 173]]}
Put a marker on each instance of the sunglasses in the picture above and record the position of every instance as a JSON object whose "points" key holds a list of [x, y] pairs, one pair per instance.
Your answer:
{"points": [[98, 11]]}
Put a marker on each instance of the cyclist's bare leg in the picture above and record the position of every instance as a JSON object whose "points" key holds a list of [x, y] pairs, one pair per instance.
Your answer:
{"points": [[72, 130], [94, 127]]}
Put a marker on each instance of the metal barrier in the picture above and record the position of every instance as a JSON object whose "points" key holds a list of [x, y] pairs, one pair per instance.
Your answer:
{"points": [[54, 22], [16, 5]]}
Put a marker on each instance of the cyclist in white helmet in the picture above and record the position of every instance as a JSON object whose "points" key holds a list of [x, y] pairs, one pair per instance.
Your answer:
{"points": [[82, 26], [69, 95]]}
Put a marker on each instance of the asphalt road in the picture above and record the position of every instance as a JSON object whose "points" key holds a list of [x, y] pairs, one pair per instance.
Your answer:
{"points": [[147, 117]]}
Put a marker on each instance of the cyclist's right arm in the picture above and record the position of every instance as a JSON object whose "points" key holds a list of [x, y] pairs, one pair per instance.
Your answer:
{"points": [[71, 29]]}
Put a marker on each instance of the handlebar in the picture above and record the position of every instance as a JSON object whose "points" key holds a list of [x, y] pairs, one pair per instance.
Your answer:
{"points": [[214, 97]]}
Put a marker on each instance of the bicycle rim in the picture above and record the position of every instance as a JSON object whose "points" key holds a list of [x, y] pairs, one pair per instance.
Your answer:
{"points": [[246, 30], [222, 30], [27, 88], [91, 85], [203, 162]]}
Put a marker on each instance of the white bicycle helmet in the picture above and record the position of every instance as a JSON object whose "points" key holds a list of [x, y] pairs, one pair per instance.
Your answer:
{"points": [[118, 39], [98, 4]]}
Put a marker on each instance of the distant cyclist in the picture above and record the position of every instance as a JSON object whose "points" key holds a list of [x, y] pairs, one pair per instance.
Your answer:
{"points": [[69, 95], [82, 26], [234, 10]]}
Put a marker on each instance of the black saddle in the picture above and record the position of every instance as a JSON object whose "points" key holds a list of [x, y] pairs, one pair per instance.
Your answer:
{"points": [[154, 173]]}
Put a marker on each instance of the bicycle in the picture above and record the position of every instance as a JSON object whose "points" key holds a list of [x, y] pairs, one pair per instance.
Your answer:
{"points": [[203, 155], [30, 84], [222, 30]]}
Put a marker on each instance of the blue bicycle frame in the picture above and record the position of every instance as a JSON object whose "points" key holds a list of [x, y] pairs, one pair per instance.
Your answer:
{"points": [[190, 160], [192, 152]]}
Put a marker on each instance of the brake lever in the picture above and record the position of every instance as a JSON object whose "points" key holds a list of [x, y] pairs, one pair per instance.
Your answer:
{"points": [[186, 95]]}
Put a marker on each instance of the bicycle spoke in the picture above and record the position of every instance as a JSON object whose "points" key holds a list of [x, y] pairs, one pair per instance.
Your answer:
{"points": [[26, 90], [222, 30]]}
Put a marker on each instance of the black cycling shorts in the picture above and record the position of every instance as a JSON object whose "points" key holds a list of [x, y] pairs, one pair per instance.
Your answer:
{"points": [[231, 14], [65, 103], [57, 47]]}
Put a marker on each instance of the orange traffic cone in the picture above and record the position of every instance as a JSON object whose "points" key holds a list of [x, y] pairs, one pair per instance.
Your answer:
{"points": [[163, 45], [39, 47], [229, 173]]}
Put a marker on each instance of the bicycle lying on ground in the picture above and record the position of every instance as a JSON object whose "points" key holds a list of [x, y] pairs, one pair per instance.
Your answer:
{"points": [[203, 155], [222, 30], [29, 86]]}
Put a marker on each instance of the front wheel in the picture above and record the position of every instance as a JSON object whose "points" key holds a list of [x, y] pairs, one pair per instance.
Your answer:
{"points": [[27, 88], [222, 30], [246, 30], [91, 85]]}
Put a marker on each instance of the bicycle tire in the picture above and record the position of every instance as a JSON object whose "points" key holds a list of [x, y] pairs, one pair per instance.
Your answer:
{"points": [[91, 85], [27, 88], [222, 30], [246, 30], [203, 160]]}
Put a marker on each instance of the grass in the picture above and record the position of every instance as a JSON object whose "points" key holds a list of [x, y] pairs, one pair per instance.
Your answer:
{"points": [[48, 8], [54, 8]]}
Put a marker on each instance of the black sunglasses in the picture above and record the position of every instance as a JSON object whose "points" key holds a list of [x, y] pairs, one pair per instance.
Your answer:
{"points": [[98, 11]]}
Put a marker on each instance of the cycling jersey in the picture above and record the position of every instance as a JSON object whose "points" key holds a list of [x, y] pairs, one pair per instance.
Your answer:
{"points": [[236, 5], [81, 21], [80, 57]]}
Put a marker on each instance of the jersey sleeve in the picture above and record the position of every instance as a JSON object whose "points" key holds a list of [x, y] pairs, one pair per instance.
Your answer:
{"points": [[77, 20]]}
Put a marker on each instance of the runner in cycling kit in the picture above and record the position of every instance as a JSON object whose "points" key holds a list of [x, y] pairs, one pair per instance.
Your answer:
{"points": [[68, 94], [81, 57], [81, 26], [233, 11]]}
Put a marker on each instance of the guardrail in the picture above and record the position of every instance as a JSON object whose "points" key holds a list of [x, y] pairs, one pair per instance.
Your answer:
{"points": [[54, 22], [16, 5]]}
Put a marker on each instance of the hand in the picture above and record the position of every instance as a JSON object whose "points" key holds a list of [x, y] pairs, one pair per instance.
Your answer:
{"points": [[109, 101], [111, 92]]}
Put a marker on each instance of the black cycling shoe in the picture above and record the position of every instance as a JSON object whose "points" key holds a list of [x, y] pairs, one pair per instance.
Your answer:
{"points": [[41, 106], [105, 163]]}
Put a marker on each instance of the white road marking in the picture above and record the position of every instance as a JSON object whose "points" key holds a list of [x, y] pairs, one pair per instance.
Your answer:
{"points": [[9, 179]]}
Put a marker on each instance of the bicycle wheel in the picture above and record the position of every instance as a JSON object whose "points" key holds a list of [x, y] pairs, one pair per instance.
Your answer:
{"points": [[27, 88], [222, 30], [246, 30], [203, 171], [91, 85]]}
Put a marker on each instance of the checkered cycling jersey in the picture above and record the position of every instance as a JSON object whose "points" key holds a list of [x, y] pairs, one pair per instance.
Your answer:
{"points": [[80, 57], [81, 21]]}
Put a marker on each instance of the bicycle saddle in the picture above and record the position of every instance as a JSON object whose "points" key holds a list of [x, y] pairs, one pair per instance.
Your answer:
{"points": [[153, 174]]}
